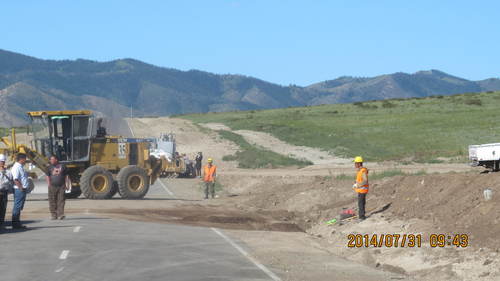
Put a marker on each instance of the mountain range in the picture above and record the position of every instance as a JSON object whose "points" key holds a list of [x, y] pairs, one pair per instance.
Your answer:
{"points": [[111, 88]]}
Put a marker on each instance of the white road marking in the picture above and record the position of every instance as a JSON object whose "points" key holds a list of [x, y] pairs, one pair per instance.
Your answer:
{"points": [[245, 254], [77, 229], [59, 269], [165, 187], [130, 128], [64, 255]]}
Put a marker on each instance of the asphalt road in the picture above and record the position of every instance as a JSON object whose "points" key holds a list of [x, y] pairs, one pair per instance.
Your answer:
{"points": [[92, 248], [86, 247]]}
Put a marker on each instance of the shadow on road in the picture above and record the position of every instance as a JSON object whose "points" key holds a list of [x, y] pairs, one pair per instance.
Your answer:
{"points": [[8, 227]]}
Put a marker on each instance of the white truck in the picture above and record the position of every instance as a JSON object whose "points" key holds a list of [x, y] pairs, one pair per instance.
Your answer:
{"points": [[486, 155]]}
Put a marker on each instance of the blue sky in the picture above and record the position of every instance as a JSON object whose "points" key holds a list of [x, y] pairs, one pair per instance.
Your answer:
{"points": [[286, 42]]}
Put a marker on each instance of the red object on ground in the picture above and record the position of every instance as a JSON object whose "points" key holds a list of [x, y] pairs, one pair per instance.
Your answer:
{"points": [[348, 212]]}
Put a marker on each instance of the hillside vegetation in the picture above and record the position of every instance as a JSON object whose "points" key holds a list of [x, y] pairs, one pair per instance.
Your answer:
{"points": [[111, 88], [431, 129]]}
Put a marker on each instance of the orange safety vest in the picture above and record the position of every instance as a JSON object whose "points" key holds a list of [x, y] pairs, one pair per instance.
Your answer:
{"points": [[359, 179], [209, 173]]}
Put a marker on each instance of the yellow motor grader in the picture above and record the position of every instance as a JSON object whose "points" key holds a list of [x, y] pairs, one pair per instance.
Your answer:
{"points": [[99, 165]]}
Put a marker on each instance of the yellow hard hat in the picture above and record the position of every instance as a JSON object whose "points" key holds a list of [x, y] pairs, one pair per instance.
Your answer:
{"points": [[358, 159], [210, 160]]}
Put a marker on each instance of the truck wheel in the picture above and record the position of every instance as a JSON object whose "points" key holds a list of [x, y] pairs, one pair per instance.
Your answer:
{"points": [[96, 183], [75, 193], [133, 182]]}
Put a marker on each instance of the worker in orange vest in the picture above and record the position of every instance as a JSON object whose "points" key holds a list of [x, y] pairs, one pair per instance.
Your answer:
{"points": [[209, 175], [361, 186]]}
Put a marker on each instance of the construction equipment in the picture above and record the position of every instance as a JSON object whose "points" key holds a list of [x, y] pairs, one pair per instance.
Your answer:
{"points": [[485, 155], [172, 163], [99, 165]]}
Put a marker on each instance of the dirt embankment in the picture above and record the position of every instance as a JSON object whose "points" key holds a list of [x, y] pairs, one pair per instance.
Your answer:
{"points": [[452, 203], [429, 204]]}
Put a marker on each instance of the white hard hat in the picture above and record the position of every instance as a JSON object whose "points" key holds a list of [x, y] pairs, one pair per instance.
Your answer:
{"points": [[2, 158]]}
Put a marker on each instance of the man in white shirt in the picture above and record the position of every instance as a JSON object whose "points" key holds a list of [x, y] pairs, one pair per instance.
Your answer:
{"points": [[21, 185]]}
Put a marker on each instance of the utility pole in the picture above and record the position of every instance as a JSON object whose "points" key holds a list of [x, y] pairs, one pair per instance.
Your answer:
{"points": [[131, 115]]}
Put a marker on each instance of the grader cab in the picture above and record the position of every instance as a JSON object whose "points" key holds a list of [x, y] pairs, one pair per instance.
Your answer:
{"points": [[99, 165]]}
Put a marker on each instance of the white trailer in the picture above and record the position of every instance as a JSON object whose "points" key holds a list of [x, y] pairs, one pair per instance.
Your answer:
{"points": [[486, 155]]}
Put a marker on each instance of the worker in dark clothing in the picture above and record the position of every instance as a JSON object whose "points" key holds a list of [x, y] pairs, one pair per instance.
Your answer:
{"points": [[101, 130], [198, 159], [56, 180]]}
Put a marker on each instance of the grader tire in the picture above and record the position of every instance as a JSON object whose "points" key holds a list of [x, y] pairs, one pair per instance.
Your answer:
{"points": [[96, 183], [133, 182]]}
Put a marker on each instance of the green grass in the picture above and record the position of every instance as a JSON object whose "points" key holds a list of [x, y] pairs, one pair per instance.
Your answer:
{"points": [[250, 156], [381, 175], [412, 130]]}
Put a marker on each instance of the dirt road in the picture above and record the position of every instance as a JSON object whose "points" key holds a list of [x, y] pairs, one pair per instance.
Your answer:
{"points": [[272, 143], [190, 139]]}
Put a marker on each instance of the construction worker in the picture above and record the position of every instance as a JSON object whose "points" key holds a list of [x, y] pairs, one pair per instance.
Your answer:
{"points": [[209, 175], [361, 186], [57, 177], [101, 130], [199, 160], [21, 188]]}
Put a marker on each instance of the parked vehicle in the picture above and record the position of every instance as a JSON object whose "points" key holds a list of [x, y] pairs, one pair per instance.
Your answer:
{"points": [[486, 155]]}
